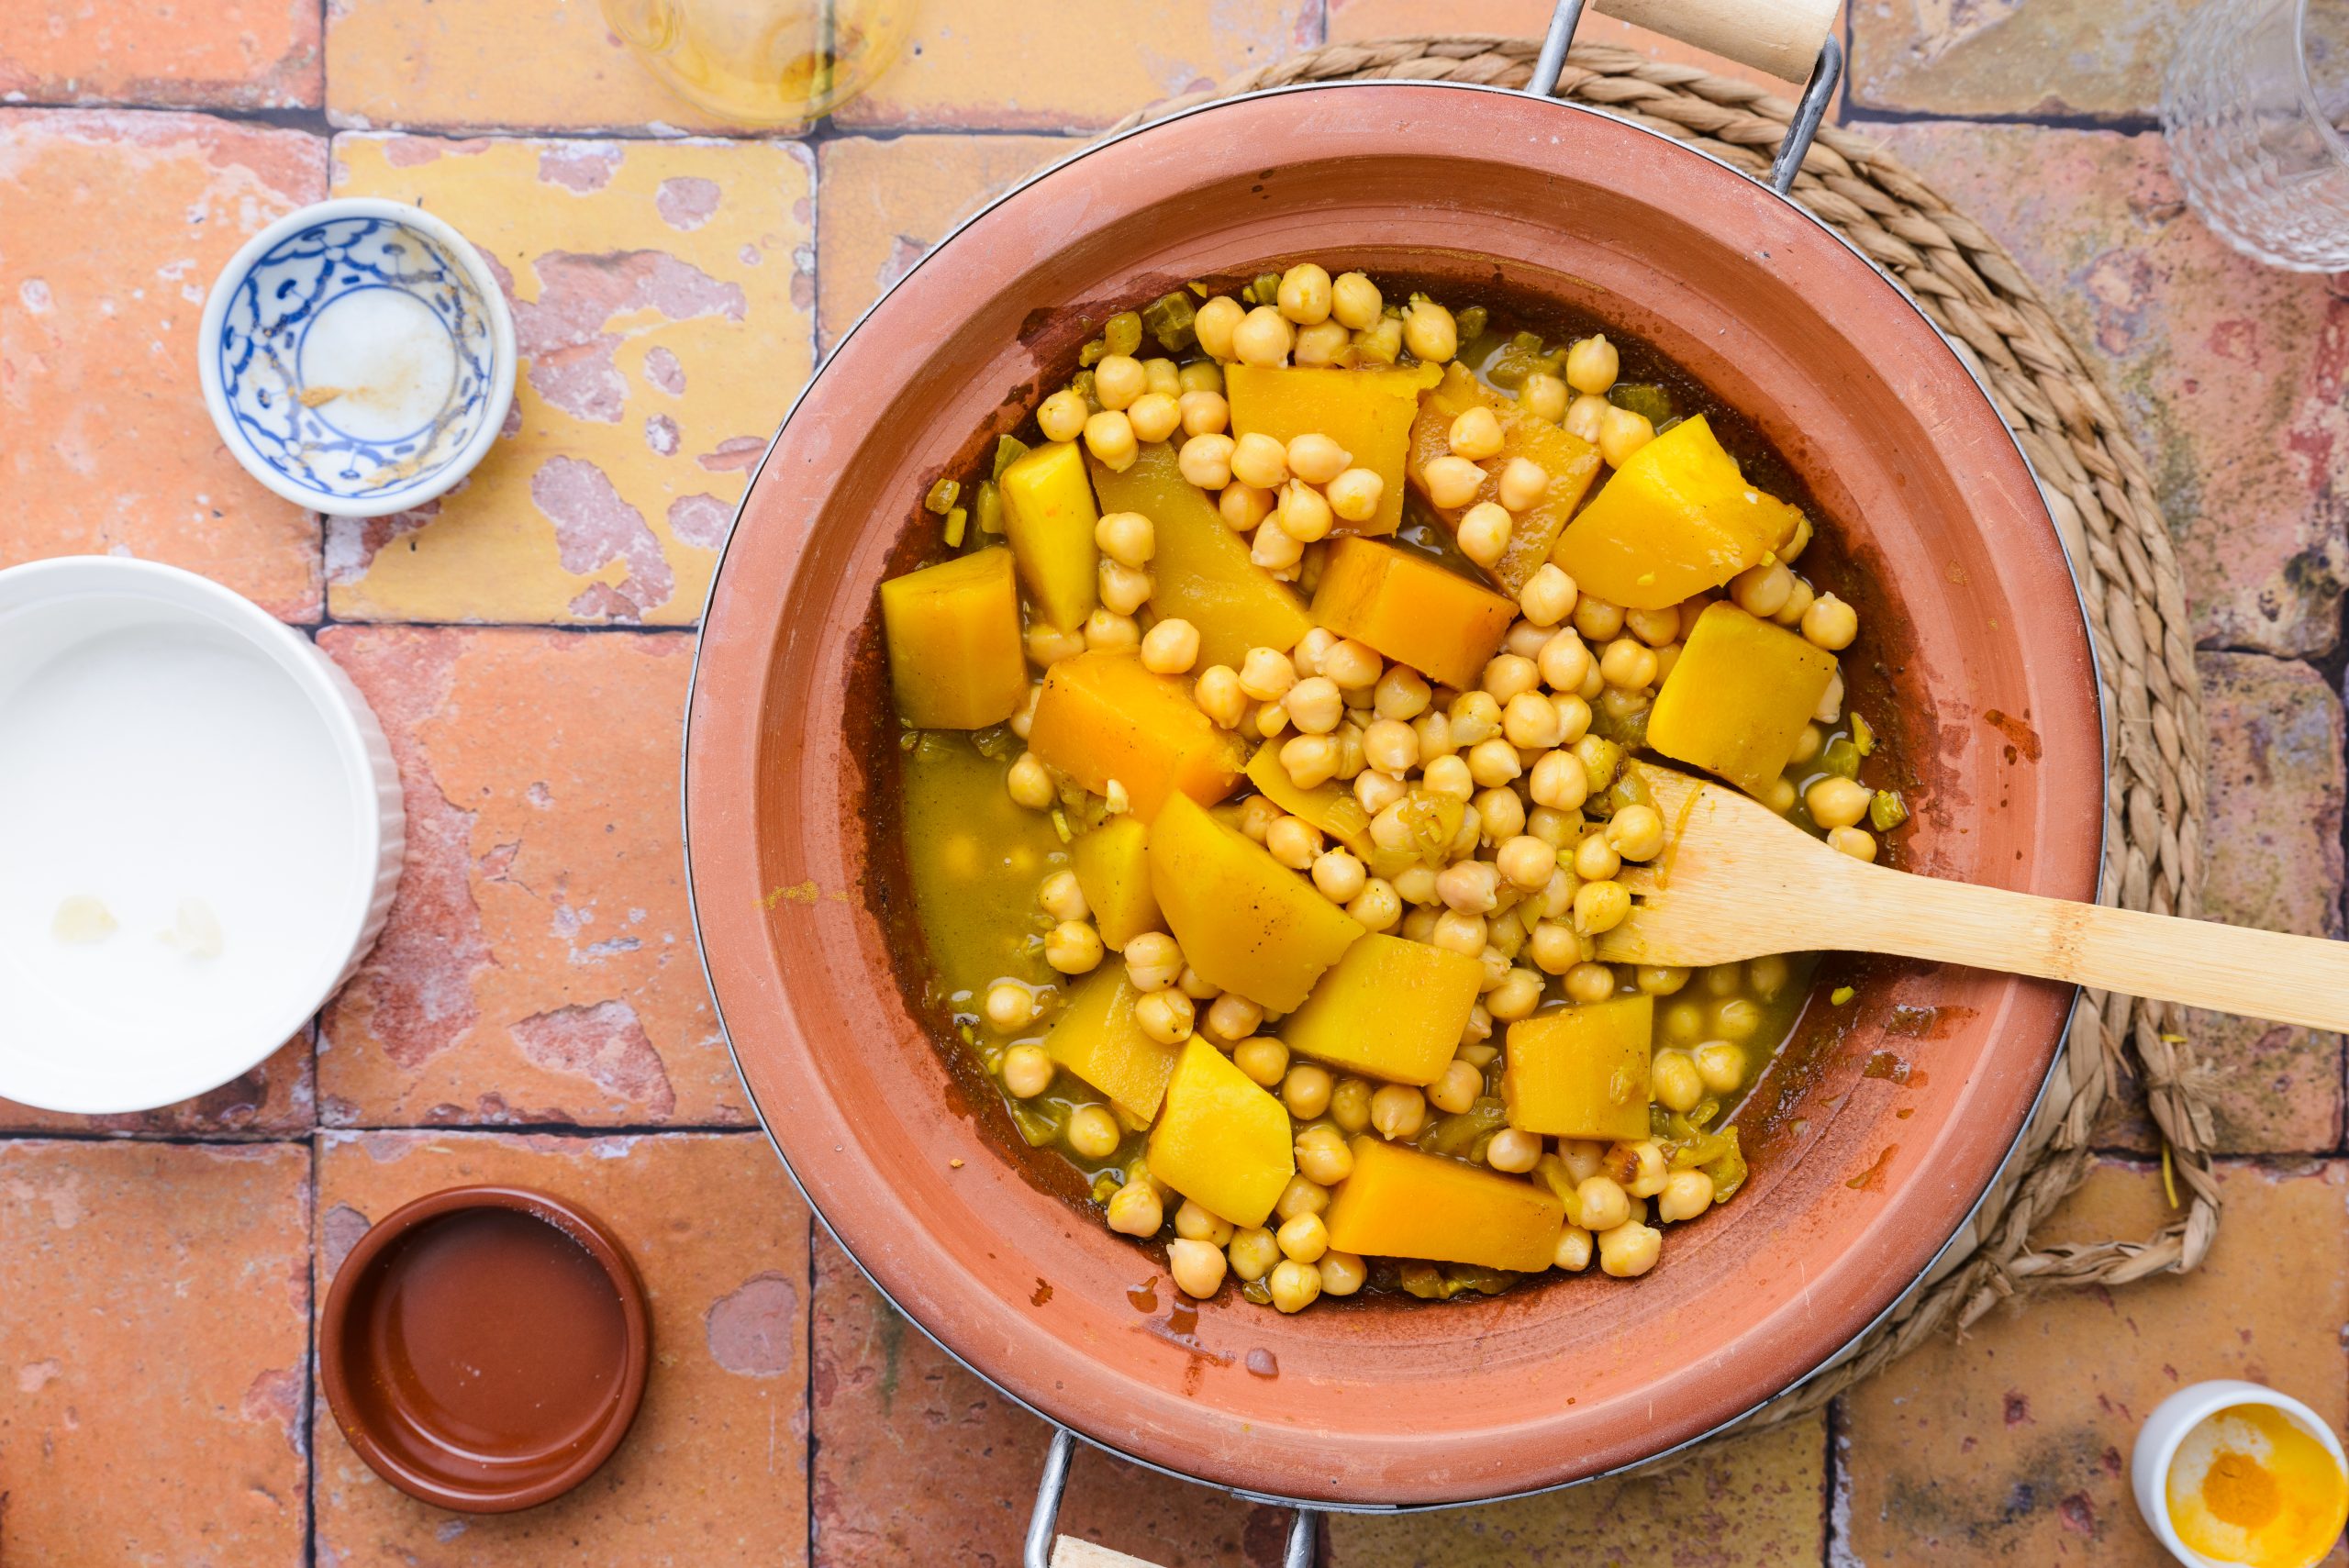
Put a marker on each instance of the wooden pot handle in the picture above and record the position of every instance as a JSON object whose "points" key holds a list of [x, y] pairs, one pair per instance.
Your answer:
{"points": [[1781, 37]]}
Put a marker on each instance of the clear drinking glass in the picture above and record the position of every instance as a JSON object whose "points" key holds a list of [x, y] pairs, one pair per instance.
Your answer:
{"points": [[2253, 111], [764, 63]]}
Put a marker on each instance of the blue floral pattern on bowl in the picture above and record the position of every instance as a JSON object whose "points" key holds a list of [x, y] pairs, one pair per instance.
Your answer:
{"points": [[331, 288]]}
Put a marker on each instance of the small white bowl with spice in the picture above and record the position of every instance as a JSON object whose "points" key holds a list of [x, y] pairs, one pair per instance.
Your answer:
{"points": [[2235, 1475], [200, 833]]}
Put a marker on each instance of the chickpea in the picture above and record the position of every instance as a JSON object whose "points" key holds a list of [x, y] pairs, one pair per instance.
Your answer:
{"points": [[1589, 983], [1602, 1202], [1837, 802], [1378, 906], [1305, 294], [1639, 1167], [1414, 884], [1293, 841], [1109, 436], [1574, 1249], [1355, 666], [1506, 677], [1595, 859], [1543, 395], [1128, 539], [1684, 1022], [1304, 515], [1593, 364], [1216, 322], [1600, 759], [1165, 1016], [1587, 415], [1403, 692], [1560, 782], [1467, 885], [1233, 1018], [1322, 1156], [1123, 590], [1621, 434], [1798, 605], [1627, 665], [1304, 1239], [1452, 480], [1763, 590], [1659, 980], [1197, 1266], [1315, 705], [1061, 416], [1092, 1132], [1430, 332], [1200, 375], [1252, 1252], [1687, 1194], [1118, 380], [1205, 461], [1204, 414], [1305, 1091], [1583, 1158], [1499, 814], [1555, 946], [1153, 961], [1399, 1111], [1107, 630], [1475, 434], [1515, 997], [1830, 702], [1630, 1250], [1494, 762], [1475, 716], [1483, 533], [1274, 548], [1263, 337], [1354, 301], [1526, 860], [1060, 897], [1636, 833], [1355, 495], [1342, 1273], [1194, 1223], [1654, 627], [1340, 875], [1243, 507], [1446, 776], [1295, 1286], [1350, 1107], [1856, 842], [1073, 947], [1165, 376], [1323, 344], [1566, 659], [1263, 1058], [1547, 598], [1768, 974], [1830, 623], [1316, 458], [1381, 343], [1135, 1210], [1030, 783], [1009, 1005], [1720, 1066], [1460, 931], [1171, 646], [1266, 674], [1522, 484], [1218, 695], [1259, 461], [1301, 1195], [1600, 907], [1674, 1081], [1027, 1070]]}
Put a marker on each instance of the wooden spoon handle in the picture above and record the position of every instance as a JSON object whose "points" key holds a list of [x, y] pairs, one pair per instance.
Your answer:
{"points": [[2228, 969]]}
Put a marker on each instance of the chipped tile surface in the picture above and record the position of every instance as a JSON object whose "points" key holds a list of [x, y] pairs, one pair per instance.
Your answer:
{"points": [[152, 1344], [112, 226], [2011, 1445], [1072, 65], [2232, 377], [2013, 57], [713, 1471], [887, 201], [278, 1098], [538, 965], [663, 296], [491, 64], [917, 1460], [243, 54]]}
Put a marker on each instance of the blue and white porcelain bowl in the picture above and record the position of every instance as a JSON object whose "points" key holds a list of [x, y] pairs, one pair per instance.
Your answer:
{"points": [[357, 357]]}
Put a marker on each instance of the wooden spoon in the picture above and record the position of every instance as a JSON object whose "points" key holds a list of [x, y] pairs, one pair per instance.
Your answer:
{"points": [[1735, 880]]}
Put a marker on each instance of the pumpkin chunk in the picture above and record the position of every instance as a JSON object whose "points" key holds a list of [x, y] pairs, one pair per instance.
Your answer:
{"points": [[1246, 922], [1368, 412], [1390, 1008], [1677, 520], [1202, 571], [1738, 698], [1103, 716], [955, 660], [1047, 513], [1097, 1039], [1400, 1203], [1112, 866], [1411, 609], [1571, 462], [1222, 1141], [1581, 1071], [1330, 807]]}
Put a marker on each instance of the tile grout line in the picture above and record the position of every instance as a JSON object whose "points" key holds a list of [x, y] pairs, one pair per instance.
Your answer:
{"points": [[306, 1415], [810, 1443]]}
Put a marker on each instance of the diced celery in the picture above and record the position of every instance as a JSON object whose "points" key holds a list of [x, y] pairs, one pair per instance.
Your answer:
{"points": [[988, 504], [1169, 319], [956, 517], [1862, 736], [1009, 449], [1644, 397], [1471, 323], [1122, 332], [1887, 810], [942, 496], [1841, 758]]}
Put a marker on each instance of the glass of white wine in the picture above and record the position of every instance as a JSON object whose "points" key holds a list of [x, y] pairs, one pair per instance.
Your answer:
{"points": [[764, 63]]}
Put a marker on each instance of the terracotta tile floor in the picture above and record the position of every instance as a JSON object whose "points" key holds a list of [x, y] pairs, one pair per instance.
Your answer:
{"points": [[535, 1011]]}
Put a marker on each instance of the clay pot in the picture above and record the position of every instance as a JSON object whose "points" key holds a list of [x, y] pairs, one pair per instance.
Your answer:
{"points": [[1975, 642]]}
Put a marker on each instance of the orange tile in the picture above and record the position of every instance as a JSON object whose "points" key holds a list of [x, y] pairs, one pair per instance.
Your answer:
{"points": [[714, 1469], [153, 1343], [664, 298], [538, 965], [491, 65], [278, 1098], [1072, 64], [2050, 57], [115, 224], [2011, 1444], [1358, 21], [221, 54], [885, 202]]}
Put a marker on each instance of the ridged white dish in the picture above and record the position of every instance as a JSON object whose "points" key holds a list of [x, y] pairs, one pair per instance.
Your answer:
{"points": [[175, 757]]}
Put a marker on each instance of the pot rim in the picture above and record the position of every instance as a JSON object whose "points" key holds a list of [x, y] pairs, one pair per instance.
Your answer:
{"points": [[979, 214]]}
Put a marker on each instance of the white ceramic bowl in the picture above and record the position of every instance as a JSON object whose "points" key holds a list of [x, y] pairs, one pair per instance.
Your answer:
{"points": [[357, 357], [2165, 1432], [200, 833]]}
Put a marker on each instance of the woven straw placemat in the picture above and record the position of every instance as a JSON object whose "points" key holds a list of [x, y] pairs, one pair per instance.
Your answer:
{"points": [[2103, 504]]}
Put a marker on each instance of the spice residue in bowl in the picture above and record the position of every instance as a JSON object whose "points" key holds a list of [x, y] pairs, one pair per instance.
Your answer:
{"points": [[2251, 1486], [82, 918]]}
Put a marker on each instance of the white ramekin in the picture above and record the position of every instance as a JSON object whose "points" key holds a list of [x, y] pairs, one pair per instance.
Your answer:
{"points": [[2165, 1430], [174, 752]]}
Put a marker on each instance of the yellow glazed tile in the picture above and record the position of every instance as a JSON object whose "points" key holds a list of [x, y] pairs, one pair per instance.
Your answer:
{"points": [[663, 296], [451, 64]]}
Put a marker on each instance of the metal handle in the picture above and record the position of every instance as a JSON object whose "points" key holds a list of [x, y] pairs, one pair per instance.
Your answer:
{"points": [[1038, 1551], [1800, 131]]}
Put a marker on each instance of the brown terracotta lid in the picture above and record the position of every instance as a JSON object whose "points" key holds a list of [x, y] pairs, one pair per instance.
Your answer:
{"points": [[1975, 656], [485, 1347]]}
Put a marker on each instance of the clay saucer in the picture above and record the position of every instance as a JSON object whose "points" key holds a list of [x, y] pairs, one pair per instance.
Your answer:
{"points": [[485, 1347]]}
